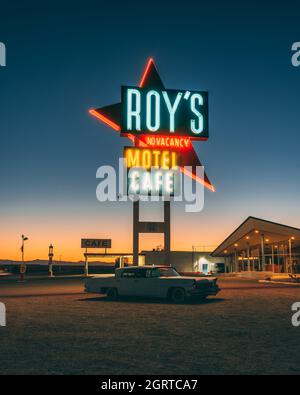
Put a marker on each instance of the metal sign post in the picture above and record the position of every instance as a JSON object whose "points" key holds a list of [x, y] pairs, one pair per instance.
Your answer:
{"points": [[86, 266], [167, 232], [152, 227], [136, 218]]}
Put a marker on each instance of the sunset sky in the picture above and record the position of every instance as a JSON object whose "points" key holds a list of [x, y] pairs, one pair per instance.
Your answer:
{"points": [[63, 60]]}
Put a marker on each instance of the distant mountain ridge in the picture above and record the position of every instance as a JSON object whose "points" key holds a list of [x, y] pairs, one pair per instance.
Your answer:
{"points": [[45, 262]]}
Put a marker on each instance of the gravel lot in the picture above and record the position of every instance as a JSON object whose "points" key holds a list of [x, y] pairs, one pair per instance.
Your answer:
{"points": [[54, 328]]}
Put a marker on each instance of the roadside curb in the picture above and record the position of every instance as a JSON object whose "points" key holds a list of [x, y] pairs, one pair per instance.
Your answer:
{"points": [[279, 282]]}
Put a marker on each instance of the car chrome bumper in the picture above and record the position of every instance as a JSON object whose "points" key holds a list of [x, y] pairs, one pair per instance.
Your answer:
{"points": [[198, 292]]}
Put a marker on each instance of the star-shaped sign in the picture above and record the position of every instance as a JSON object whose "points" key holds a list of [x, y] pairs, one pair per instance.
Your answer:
{"points": [[112, 116]]}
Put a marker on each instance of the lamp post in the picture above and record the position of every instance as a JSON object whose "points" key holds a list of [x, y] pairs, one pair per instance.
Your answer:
{"points": [[248, 256], [290, 266], [263, 257], [23, 266], [50, 272], [236, 260], [283, 249], [278, 259]]}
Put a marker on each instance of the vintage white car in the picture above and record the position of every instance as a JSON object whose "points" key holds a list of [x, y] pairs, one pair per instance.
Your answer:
{"points": [[152, 281]]}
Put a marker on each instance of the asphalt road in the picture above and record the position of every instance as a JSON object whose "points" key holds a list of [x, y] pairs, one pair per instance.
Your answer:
{"points": [[54, 328]]}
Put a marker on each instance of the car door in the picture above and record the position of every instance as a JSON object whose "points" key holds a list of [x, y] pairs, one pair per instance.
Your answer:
{"points": [[141, 282], [149, 283], [127, 283]]}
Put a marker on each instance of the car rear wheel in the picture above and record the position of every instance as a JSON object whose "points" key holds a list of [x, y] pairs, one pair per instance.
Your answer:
{"points": [[178, 295], [112, 293]]}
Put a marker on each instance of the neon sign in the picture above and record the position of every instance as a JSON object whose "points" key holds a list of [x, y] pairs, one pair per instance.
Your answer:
{"points": [[157, 182], [154, 111], [154, 117], [152, 171], [180, 143], [150, 158]]}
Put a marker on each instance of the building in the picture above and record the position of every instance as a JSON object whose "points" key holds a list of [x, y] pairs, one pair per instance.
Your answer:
{"points": [[187, 262], [260, 245]]}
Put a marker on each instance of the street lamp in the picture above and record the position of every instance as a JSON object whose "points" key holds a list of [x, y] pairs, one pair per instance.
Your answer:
{"points": [[50, 254], [23, 266], [290, 266], [22, 247]]}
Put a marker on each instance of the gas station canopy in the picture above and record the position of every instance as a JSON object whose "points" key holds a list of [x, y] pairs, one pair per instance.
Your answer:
{"points": [[250, 232]]}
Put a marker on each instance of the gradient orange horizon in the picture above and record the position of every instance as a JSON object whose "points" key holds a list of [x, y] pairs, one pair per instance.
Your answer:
{"points": [[66, 234], [67, 248], [64, 224]]}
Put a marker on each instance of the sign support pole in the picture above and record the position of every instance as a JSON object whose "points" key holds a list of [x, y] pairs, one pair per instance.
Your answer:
{"points": [[167, 233], [86, 264], [136, 218], [151, 227]]}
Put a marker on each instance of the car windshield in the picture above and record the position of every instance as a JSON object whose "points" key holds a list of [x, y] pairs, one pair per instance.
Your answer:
{"points": [[165, 272]]}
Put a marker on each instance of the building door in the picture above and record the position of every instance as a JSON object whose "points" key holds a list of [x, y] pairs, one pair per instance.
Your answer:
{"points": [[205, 268]]}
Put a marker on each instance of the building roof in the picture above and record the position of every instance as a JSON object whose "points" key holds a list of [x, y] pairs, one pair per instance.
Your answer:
{"points": [[250, 231]]}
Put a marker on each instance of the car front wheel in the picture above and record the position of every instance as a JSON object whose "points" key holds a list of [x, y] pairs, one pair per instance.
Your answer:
{"points": [[178, 295], [112, 293]]}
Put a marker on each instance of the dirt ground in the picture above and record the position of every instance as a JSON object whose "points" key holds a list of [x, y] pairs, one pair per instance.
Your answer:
{"points": [[54, 328]]}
